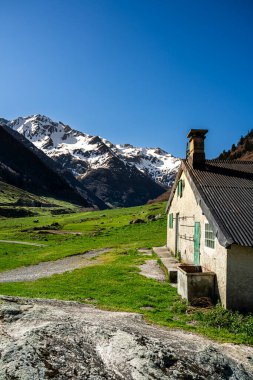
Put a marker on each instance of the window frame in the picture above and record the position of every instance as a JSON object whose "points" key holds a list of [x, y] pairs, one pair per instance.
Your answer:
{"points": [[209, 236]]}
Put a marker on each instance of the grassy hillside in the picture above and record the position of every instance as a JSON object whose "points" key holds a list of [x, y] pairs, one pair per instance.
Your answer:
{"points": [[113, 280], [15, 202]]}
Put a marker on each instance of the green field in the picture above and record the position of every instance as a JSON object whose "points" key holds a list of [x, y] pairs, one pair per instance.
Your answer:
{"points": [[110, 229], [17, 202], [113, 281]]}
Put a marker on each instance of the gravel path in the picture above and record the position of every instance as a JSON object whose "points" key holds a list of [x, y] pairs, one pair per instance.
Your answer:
{"points": [[145, 251], [151, 269], [48, 268], [22, 242]]}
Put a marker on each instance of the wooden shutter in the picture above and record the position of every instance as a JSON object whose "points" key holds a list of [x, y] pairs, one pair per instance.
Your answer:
{"points": [[180, 188], [196, 243], [171, 220]]}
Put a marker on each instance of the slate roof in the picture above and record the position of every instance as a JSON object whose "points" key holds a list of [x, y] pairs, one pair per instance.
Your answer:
{"points": [[224, 190]]}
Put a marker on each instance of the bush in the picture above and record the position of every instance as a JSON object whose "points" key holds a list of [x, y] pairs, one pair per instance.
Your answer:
{"points": [[221, 318], [179, 307]]}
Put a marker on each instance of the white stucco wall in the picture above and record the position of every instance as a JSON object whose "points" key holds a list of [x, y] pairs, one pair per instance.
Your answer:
{"points": [[212, 259], [240, 278]]}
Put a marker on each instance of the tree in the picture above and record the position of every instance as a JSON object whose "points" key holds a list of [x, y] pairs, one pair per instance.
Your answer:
{"points": [[246, 146]]}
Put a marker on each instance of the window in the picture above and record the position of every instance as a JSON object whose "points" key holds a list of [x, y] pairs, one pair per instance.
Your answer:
{"points": [[170, 220], [209, 236], [180, 188]]}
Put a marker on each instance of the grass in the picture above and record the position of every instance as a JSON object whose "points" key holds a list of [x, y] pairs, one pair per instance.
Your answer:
{"points": [[98, 229], [15, 201], [113, 281]]}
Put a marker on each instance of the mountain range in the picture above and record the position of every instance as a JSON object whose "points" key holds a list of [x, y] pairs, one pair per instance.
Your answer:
{"points": [[26, 167], [119, 175]]}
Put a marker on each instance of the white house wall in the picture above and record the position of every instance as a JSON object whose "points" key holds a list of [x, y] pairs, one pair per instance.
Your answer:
{"points": [[212, 259], [240, 278]]}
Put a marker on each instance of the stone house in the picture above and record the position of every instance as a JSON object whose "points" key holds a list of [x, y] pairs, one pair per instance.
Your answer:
{"points": [[210, 221]]}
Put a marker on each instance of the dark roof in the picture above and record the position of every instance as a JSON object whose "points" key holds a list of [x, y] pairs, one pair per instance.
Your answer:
{"points": [[224, 190]]}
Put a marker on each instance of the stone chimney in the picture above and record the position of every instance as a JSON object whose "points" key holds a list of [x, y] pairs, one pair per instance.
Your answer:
{"points": [[196, 149]]}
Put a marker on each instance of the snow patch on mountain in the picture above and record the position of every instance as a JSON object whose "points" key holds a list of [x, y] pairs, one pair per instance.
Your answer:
{"points": [[81, 152]]}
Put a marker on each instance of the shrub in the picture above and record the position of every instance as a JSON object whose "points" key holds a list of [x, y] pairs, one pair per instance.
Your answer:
{"points": [[233, 321], [179, 307]]}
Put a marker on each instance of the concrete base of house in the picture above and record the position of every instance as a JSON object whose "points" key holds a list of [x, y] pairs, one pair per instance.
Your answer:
{"points": [[195, 282]]}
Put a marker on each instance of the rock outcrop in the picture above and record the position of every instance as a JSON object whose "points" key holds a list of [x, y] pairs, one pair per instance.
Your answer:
{"points": [[65, 340]]}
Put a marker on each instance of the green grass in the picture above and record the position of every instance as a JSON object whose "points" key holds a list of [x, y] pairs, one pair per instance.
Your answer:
{"points": [[113, 281], [98, 229], [10, 196]]}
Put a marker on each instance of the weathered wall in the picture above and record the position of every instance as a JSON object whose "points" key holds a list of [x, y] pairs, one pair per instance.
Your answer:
{"points": [[212, 259], [240, 278]]}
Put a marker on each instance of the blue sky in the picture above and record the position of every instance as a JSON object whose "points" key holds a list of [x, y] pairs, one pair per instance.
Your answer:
{"points": [[142, 72]]}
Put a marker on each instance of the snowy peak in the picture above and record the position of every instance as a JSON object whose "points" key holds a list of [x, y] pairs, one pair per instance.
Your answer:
{"points": [[81, 152], [121, 175], [45, 133], [155, 162]]}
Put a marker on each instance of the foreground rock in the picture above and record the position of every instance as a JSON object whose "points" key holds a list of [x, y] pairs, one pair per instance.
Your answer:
{"points": [[63, 340]]}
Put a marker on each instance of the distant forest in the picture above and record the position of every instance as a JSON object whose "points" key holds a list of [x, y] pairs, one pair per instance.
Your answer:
{"points": [[242, 151]]}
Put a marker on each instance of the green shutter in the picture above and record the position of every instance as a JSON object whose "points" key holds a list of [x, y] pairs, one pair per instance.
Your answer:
{"points": [[171, 220], [180, 188], [196, 243]]}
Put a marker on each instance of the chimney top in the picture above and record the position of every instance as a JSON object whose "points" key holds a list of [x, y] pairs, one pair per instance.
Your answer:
{"points": [[196, 152], [197, 133]]}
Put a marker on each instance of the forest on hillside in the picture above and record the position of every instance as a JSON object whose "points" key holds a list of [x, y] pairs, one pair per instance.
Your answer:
{"points": [[242, 151]]}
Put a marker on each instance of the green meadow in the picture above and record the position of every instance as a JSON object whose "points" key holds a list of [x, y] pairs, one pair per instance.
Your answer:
{"points": [[113, 280]]}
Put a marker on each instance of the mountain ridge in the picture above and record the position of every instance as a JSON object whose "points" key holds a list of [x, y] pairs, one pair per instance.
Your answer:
{"points": [[121, 174], [44, 176], [242, 151]]}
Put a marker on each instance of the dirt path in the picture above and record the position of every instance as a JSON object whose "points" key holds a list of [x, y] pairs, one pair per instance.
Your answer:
{"points": [[22, 242], [48, 268], [151, 269]]}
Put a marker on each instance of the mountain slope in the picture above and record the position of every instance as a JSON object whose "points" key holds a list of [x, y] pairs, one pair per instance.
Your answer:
{"points": [[16, 202], [242, 151], [28, 168], [121, 175]]}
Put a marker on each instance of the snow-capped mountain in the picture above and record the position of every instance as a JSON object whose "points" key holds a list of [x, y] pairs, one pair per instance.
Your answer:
{"points": [[24, 166], [96, 161], [155, 162]]}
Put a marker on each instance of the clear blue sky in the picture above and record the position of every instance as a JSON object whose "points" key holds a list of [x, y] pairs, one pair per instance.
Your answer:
{"points": [[136, 71]]}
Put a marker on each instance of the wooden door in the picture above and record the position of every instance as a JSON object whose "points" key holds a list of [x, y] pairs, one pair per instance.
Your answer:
{"points": [[196, 242]]}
